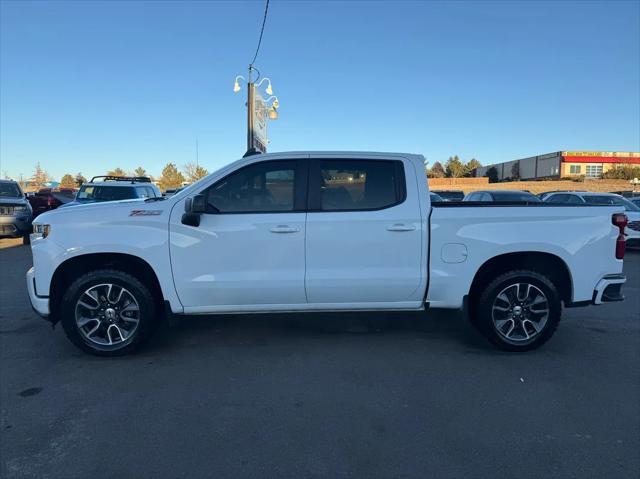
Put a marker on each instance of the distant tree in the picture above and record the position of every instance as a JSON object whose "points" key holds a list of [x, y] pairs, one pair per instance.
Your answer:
{"points": [[140, 171], [472, 165], [67, 181], [39, 177], [515, 171], [454, 167], [436, 171], [171, 177], [194, 172], [117, 172], [492, 174], [79, 179]]}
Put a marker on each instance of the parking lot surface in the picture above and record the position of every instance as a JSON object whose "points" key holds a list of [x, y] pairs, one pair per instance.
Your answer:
{"points": [[320, 395]]}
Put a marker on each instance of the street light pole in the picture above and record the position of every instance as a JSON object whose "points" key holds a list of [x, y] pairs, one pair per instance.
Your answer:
{"points": [[250, 107], [257, 143]]}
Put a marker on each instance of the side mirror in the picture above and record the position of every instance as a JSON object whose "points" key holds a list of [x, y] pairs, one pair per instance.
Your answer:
{"points": [[194, 206]]}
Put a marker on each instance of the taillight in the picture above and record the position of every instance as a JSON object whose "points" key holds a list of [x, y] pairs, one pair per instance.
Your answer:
{"points": [[620, 220]]}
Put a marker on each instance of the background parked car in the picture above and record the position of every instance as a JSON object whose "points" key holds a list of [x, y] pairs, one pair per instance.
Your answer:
{"points": [[114, 188], [450, 195], [15, 212], [632, 231], [172, 191], [502, 196], [545, 194], [435, 198], [627, 193], [49, 199]]}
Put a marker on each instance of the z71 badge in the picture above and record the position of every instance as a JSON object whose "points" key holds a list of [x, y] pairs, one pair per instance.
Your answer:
{"points": [[145, 212]]}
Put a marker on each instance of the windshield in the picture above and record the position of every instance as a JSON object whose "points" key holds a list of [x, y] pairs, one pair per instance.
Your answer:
{"points": [[611, 200], [9, 190], [90, 193]]}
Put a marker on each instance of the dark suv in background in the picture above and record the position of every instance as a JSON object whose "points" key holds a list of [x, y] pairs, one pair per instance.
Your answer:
{"points": [[15, 212]]}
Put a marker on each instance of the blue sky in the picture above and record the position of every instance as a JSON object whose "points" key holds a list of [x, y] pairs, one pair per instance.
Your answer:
{"points": [[89, 86]]}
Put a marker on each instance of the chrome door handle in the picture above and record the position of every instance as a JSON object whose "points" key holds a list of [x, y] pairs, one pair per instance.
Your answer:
{"points": [[401, 227], [284, 229]]}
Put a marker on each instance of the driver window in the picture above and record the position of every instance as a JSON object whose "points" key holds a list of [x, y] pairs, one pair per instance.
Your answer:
{"points": [[258, 188]]}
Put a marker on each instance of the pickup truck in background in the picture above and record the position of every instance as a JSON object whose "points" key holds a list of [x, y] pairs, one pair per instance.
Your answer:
{"points": [[47, 199], [320, 231]]}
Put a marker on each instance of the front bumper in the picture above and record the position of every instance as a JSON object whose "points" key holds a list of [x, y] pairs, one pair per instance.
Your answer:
{"points": [[40, 304], [15, 226], [609, 289]]}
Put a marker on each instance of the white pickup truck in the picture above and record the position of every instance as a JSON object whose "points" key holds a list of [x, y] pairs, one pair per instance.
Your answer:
{"points": [[320, 231]]}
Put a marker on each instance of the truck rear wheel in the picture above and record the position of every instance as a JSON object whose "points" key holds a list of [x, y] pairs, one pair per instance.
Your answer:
{"points": [[519, 310], [108, 312]]}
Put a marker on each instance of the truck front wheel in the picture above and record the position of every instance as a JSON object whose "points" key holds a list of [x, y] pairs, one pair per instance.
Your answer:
{"points": [[519, 310], [108, 312]]}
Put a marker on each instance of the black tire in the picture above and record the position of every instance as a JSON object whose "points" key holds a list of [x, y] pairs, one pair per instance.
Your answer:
{"points": [[26, 239], [483, 318], [147, 321]]}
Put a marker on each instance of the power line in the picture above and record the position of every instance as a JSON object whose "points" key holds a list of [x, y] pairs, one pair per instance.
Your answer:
{"points": [[264, 21]]}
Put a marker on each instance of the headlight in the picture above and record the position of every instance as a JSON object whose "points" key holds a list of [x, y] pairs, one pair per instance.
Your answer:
{"points": [[20, 209], [41, 231]]}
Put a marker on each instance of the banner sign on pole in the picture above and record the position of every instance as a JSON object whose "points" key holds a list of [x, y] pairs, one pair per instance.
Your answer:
{"points": [[259, 123]]}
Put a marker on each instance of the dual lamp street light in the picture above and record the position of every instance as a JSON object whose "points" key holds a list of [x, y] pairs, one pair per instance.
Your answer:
{"points": [[260, 110]]}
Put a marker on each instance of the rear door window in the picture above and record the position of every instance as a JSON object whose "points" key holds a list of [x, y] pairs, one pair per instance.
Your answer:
{"points": [[356, 185]]}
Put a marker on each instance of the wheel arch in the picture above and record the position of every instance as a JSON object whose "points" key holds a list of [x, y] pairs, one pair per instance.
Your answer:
{"points": [[72, 268], [548, 264]]}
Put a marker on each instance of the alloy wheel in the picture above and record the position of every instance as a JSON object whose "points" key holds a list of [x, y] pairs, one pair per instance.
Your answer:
{"points": [[107, 315], [520, 312]]}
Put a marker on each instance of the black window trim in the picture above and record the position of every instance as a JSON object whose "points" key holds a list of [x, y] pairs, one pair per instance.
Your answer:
{"points": [[314, 192], [300, 184]]}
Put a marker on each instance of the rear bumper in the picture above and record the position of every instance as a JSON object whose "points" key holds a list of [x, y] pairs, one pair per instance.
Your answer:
{"points": [[609, 289], [40, 304]]}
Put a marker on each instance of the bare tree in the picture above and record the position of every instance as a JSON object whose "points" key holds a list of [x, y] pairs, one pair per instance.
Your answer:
{"points": [[39, 177], [194, 172]]}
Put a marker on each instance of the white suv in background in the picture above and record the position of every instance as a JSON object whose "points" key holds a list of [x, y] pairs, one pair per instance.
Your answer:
{"points": [[632, 231], [114, 188]]}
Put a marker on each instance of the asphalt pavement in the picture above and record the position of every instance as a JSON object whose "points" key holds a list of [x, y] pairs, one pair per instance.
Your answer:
{"points": [[320, 395]]}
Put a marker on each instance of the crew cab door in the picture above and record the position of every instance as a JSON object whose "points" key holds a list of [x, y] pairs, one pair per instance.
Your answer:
{"points": [[364, 233], [248, 251]]}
